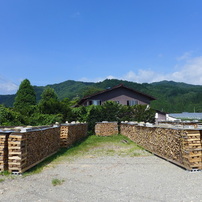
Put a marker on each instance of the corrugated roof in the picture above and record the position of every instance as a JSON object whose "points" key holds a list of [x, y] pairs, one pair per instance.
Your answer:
{"points": [[187, 115]]}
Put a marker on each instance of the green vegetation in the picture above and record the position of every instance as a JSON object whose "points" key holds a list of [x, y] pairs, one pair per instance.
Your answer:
{"points": [[112, 111], [57, 182], [5, 173], [172, 97], [1, 180], [25, 98], [54, 102], [50, 110]]}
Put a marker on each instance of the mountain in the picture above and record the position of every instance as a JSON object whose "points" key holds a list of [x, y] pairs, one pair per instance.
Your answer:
{"points": [[171, 96]]}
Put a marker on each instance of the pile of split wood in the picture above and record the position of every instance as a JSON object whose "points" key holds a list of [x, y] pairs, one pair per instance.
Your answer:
{"points": [[106, 128], [179, 146], [26, 149], [4, 151], [71, 133]]}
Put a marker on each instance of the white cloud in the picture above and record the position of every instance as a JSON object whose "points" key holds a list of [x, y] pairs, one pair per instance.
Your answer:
{"points": [[7, 87], [98, 79], [185, 56], [91, 80], [190, 72], [142, 76]]}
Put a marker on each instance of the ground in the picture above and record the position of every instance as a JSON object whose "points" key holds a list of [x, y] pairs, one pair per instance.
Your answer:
{"points": [[105, 173], [106, 178]]}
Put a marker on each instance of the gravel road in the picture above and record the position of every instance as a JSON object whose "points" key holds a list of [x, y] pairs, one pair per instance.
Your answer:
{"points": [[107, 179]]}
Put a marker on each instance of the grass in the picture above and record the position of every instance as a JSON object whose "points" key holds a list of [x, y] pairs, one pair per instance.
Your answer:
{"points": [[56, 182], [5, 173], [92, 147], [101, 146], [1, 180]]}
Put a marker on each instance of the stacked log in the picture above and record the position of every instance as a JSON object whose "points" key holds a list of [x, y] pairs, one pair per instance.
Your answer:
{"points": [[192, 149], [17, 152], [182, 147], [106, 128], [26, 149], [71, 133], [4, 151]]}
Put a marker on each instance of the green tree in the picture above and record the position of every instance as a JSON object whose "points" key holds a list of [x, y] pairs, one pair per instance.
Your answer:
{"points": [[142, 113], [49, 93], [49, 104], [8, 117], [25, 98], [110, 111]]}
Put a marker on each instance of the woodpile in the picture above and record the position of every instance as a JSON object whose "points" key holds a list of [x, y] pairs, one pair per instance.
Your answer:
{"points": [[20, 151], [192, 149], [106, 128], [4, 151], [26, 149], [182, 147], [71, 133]]}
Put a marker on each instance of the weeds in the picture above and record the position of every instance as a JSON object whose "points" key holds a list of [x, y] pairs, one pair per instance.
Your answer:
{"points": [[5, 173], [56, 182], [1, 180]]}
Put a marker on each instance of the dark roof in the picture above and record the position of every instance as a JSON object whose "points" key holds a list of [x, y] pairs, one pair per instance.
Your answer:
{"points": [[110, 89], [160, 112]]}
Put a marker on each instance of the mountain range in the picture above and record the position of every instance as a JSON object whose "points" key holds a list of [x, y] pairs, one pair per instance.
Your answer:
{"points": [[172, 97]]}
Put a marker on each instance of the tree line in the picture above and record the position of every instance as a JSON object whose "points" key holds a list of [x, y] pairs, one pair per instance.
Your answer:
{"points": [[26, 110]]}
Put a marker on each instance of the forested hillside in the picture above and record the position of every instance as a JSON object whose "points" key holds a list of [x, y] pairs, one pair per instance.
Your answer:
{"points": [[171, 96]]}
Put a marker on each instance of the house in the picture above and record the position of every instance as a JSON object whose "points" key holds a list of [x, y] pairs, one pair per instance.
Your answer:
{"points": [[120, 94], [160, 116]]}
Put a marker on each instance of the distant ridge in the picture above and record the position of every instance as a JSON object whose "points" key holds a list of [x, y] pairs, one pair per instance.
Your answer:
{"points": [[172, 97]]}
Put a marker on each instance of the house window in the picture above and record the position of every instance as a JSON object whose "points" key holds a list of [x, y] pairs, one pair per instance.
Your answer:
{"points": [[96, 102], [132, 102]]}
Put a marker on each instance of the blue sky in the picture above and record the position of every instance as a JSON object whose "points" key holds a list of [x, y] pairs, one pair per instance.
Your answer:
{"points": [[49, 41]]}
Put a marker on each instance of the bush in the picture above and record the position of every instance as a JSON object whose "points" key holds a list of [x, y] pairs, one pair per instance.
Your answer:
{"points": [[112, 111], [9, 117], [45, 119]]}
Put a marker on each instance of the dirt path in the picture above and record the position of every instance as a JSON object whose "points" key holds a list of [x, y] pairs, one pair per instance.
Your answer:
{"points": [[110, 178]]}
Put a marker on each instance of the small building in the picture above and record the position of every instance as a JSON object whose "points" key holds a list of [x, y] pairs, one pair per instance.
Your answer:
{"points": [[160, 116], [120, 94]]}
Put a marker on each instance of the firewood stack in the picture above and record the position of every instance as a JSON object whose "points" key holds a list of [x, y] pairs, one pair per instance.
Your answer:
{"points": [[182, 147], [17, 152], [26, 149], [192, 149], [4, 151], [106, 128], [72, 133]]}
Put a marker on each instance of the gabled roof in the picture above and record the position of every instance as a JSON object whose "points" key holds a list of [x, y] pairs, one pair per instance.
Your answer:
{"points": [[111, 89]]}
